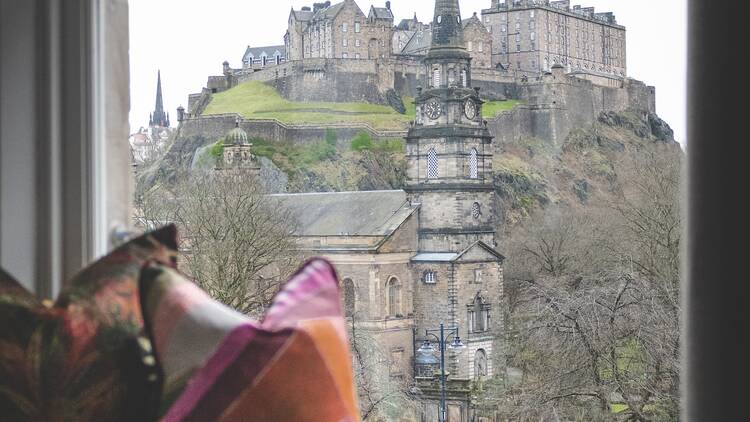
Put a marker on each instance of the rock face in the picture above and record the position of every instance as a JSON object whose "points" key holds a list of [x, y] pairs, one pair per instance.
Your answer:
{"points": [[395, 101]]}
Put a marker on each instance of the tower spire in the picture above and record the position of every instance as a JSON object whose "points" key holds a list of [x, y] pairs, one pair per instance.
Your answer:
{"points": [[158, 117], [447, 33]]}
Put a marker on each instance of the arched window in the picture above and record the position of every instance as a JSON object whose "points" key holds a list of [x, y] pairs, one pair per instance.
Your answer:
{"points": [[394, 297], [432, 164], [479, 315], [430, 277], [436, 77], [350, 297], [480, 364], [473, 164], [464, 79]]}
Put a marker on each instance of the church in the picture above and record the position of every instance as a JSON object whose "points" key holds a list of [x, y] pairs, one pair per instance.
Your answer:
{"points": [[411, 259]]}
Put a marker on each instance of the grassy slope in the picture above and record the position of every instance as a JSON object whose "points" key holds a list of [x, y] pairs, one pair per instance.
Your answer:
{"points": [[255, 100]]}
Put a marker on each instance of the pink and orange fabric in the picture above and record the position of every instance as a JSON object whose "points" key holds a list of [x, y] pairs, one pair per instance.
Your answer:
{"points": [[207, 363]]}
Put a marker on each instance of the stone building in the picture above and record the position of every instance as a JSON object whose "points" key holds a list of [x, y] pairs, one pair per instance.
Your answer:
{"points": [[533, 35], [238, 159], [403, 32], [340, 31], [411, 259], [256, 58], [478, 42]]}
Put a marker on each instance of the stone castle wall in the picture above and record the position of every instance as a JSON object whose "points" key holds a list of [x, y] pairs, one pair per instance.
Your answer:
{"points": [[217, 126]]}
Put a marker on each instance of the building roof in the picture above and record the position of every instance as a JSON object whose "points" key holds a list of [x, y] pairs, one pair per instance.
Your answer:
{"points": [[476, 249], [302, 15], [329, 12], [381, 12], [435, 257], [270, 51], [366, 213], [419, 43]]}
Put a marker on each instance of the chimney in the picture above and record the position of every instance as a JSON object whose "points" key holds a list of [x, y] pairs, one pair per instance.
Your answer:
{"points": [[388, 5]]}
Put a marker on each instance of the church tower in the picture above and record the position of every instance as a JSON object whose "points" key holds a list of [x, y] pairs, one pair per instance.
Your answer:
{"points": [[457, 271], [159, 118], [449, 148]]}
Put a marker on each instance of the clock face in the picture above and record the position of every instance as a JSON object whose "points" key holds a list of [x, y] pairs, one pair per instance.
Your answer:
{"points": [[470, 108], [433, 109]]}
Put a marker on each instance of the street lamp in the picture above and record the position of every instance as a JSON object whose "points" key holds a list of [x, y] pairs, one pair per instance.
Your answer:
{"points": [[442, 336]]}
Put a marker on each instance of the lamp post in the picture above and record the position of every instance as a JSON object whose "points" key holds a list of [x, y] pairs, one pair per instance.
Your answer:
{"points": [[442, 336]]}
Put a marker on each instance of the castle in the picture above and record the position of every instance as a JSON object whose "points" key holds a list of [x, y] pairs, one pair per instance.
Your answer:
{"points": [[413, 258], [336, 52]]}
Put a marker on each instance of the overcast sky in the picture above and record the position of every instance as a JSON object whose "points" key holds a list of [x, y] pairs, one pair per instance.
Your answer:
{"points": [[189, 39]]}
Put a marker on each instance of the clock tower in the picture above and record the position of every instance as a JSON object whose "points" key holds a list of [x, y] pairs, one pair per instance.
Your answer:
{"points": [[449, 148]]}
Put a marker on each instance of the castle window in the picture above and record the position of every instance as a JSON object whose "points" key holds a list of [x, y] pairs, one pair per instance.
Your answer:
{"points": [[346, 42], [470, 47], [357, 56], [394, 297], [473, 165], [479, 315], [436, 77], [478, 275], [480, 364], [344, 27], [430, 277], [432, 164], [464, 78], [345, 56], [350, 297], [356, 27], [356, 43], [481, 47]]}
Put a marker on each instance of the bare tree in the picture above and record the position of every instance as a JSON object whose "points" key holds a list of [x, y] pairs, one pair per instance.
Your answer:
{"points": [[381, 397], [597, 304], [237, 242]]}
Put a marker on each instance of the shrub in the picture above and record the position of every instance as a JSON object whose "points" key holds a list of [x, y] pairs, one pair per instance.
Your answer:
{"points": [[362, 141]]}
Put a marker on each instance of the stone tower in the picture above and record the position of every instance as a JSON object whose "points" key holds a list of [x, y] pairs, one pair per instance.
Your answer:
{"points": [[449, 147], [238, 159], [457, 273], [159, 118]]}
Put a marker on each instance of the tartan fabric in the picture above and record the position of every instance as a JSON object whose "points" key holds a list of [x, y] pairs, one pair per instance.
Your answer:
{"points": [[293, 366], [87, 357], [72, 361]]}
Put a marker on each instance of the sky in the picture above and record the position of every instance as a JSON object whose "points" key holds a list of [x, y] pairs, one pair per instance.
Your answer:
{"points": [[189, 39]]}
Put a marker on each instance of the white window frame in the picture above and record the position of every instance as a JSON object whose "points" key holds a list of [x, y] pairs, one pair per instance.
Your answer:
{"points": [[77, 201]]}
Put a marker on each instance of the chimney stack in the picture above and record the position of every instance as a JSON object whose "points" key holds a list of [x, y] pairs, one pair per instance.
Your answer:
{"points": [[388, 5]]}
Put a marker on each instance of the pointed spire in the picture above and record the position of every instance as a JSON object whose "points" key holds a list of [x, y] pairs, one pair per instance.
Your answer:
{"points": [[447, 32], [158, 117]]}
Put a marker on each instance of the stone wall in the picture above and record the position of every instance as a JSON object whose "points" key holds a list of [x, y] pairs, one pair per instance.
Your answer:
{"points": [[217, 126], [556, 103]]}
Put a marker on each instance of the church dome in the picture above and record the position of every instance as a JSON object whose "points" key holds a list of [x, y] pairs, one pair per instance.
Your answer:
{"points": [[236, 136]]}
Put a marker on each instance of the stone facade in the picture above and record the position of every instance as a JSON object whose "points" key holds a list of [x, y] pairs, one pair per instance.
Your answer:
{"points": [[339, 31], [532, 35], [478, 42]]}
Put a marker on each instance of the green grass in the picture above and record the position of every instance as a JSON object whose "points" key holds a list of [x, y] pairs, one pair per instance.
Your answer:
{"points": [[618, 407], [255, 100], [491, 109]]}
